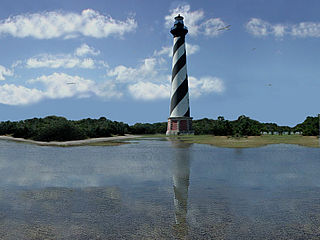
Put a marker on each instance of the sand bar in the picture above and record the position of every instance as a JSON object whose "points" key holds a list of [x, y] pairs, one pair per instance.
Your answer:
{"points": [[70, 143]]}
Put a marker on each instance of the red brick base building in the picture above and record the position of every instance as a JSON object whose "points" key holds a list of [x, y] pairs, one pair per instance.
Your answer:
{"points": [[179, 125]]}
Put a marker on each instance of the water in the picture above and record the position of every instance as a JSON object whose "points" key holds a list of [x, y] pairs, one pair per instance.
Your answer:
{"points": [[155, 189]]}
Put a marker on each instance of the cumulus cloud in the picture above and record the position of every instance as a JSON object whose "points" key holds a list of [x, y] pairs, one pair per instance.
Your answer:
{"points": [[66, 60], [84, 49], [306, 29], [149, 91], [205, 85], [261, 28], [48, 25], [258, 27], [144, 82], [145, 71], [147, 81], [59, 61], [5, 72], [56, 86], [11, 94], [61, 85], [195, 21], [279, 30], [150, 80], [197, 87], [87, 63], [165, 50], [192, 49]]}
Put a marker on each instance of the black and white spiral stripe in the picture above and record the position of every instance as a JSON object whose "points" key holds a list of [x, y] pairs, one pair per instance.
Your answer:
{"points": [[179, 83]]}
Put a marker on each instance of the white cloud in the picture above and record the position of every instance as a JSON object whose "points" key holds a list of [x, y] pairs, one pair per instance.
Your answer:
{"points": [[149, 91], [66, 60], [87, 63], [103, 64], [61, 85], [211, 26], [195, 22], [47, 25], [205, 85], [11, 94], [59, 61], [146, 71], [167, 50], [108, 90], [16, 63], [5, 72], [84, 49], [261, 28], [306, 29], [192, 49], [56, 86], [147, 81], [150, 80], [279, 30], [258, 27]]}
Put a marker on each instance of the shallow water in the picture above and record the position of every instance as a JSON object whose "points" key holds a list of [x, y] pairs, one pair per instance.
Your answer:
{"points": [[154, 189]]}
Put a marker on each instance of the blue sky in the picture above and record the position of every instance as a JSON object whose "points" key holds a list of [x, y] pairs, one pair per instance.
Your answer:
{"points": [[83, 59]]}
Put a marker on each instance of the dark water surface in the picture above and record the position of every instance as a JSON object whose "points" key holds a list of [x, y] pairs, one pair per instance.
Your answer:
{"points": [[153, 189]]}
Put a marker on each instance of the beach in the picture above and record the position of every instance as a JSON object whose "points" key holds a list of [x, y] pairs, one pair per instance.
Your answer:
{"points": [[72, 143]]}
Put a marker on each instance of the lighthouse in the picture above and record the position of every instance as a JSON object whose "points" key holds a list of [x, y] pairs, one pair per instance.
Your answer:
{"points": [[179, 121]]}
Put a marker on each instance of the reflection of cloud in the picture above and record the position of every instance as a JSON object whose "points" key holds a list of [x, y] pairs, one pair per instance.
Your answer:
{"points": [[79, 166]]}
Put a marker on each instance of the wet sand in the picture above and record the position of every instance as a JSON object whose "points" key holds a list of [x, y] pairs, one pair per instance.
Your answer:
{"points": [[71, 143]]}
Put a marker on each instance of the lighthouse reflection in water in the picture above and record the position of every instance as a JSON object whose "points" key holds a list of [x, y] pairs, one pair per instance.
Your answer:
{"points": [[181, 173]]}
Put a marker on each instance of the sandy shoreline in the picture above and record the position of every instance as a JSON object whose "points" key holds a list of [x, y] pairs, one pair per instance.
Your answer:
{"points": [[70, 143]]}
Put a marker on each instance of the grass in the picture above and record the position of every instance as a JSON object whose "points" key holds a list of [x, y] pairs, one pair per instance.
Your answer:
{"points": [[245, 142]]}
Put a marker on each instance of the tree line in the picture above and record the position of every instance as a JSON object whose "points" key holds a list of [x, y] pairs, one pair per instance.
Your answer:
{"points": [[53, 128], [243, 126]]}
